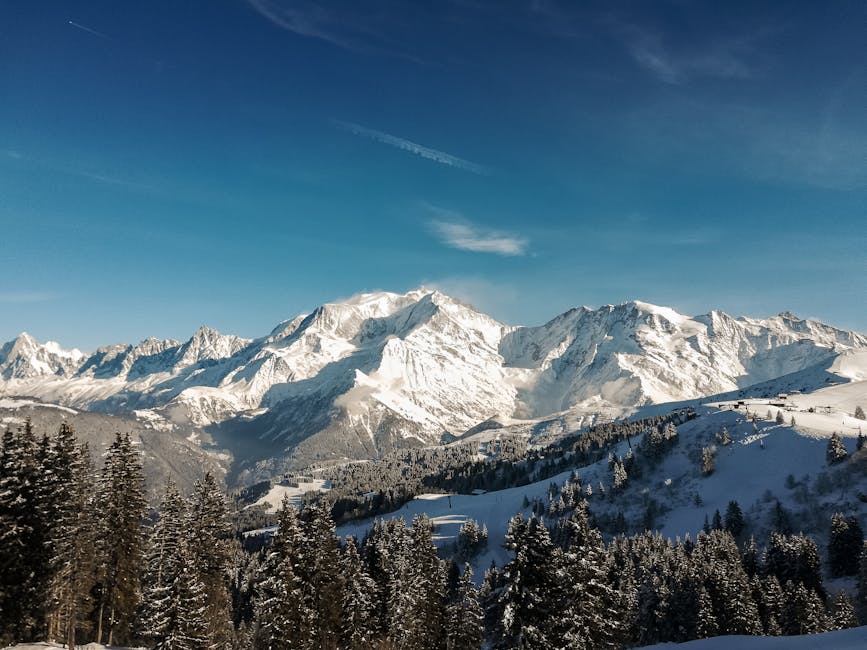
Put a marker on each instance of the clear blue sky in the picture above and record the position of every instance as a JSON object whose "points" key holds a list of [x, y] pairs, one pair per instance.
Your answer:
{"points": [[167, 164]]}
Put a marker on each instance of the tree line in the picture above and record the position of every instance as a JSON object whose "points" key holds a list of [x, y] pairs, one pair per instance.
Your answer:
{"points": [[81, 560]]}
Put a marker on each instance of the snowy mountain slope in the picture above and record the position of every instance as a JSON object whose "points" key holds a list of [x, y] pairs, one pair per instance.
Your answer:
{"points": [[168, 451], [765, 462], [25, 358], [356, 377]]}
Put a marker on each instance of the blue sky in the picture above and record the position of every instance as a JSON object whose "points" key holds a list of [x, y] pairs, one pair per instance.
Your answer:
{"points": [[234, 163]]}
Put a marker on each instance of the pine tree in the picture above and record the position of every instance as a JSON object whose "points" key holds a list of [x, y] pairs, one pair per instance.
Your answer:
{"points": [[620, 476], [794, 558], [706, 625], [843, 612], [532, 593], [779, 419], [359, 607], [859, 413], [734, 522], [836, 452], [750, 557], [73, 559], [861, 596], [707, 464], [595, 611], [173, 599], [465, 623], [717, 521], [281, 613], [122, 507], [319, 570], [780, 520], [23, 565], [844, 545], [211, 547]]}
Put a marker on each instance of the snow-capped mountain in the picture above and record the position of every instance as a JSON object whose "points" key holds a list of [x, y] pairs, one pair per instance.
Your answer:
{"points": [[378, 370]]}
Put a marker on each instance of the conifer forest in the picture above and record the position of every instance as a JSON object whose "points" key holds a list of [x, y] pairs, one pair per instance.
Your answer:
{"points": [[84, 558]]}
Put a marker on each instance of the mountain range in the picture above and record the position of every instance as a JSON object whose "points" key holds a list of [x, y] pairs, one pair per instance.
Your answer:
{"points": [[355, 378]]}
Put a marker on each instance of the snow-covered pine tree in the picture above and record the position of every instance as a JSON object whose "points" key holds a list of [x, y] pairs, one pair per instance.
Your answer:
{"points": [[465, 621], [750, 557], [844, 545], [212, 547], [859, 413], [707, 464], [427, 585], [23, 564], [836, 452], [533, 591], [470, 536], [173, 600], [861, 594], [727, 583], [803, 610], [60, 461], [794, 558], [843, 612], [705, 625], [358, 629], [653, 614], [595, 611], [73, 566], [120, 548], [620, 476], [323, 583], [771, 605], [280, 611]]}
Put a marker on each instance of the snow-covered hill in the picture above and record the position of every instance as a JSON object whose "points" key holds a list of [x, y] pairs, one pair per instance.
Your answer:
{"points": [[381, 370]]}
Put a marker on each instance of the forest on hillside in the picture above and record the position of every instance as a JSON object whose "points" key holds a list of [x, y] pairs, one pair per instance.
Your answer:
{"points": [[83, 558]]}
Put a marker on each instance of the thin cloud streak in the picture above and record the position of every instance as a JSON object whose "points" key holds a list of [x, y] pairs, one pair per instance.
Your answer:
{"points": [[24, 297], [729, 58], [349, 32], [477, 240], [302, 23], [87, 29], [413, 147]]}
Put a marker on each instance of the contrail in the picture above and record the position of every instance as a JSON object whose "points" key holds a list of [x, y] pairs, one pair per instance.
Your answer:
{"points": [[407, 145], [87, 29]]}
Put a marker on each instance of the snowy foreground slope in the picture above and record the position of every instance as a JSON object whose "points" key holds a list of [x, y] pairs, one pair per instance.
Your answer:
{"points": [[42, 646], [355, 378], [852, 639]]}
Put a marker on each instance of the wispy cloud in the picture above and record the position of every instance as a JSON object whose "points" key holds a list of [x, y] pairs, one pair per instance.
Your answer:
{"points": [[24, 297], [455, 231], [412, 147], [356, 31], [760, 143], [310, 21], [728, 57], [87, 29], [32, 162]]}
